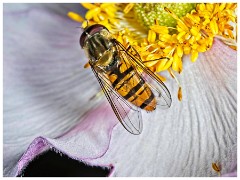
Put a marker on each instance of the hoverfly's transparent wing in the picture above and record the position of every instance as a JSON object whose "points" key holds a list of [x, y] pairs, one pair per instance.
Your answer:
{"points": [[160, 91], [129, 115]]}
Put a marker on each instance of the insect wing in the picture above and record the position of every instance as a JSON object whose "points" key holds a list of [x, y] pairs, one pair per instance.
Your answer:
{"points": [[129, 115], [160, 91]]}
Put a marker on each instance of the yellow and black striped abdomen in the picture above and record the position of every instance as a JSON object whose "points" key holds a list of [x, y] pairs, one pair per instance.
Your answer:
{"points": [[132, 87]]}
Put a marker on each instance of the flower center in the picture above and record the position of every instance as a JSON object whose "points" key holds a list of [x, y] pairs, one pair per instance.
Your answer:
{"points": [[147, 13]]}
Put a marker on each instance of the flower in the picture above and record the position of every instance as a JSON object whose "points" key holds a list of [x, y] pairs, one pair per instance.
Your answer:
{"points": [[174, 30], [49, 103]]}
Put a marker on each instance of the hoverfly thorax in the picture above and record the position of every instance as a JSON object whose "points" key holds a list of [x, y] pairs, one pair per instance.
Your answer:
{"points": [[96, 41]]}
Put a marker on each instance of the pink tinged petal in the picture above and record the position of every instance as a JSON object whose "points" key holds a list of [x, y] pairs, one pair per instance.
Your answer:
{"points": [[231, 174], [187, 138], [46, 90], [87, 140], [90, 138]]}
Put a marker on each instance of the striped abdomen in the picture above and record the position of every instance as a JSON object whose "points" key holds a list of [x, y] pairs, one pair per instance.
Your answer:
{"points": [[132, 87]]}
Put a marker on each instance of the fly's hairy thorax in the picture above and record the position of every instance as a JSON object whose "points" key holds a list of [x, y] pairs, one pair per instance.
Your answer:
{"points": [[132, 87], [100, 51]]}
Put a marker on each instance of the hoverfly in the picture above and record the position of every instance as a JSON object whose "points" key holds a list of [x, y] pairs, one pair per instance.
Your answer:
{"points": [[126, 82]]}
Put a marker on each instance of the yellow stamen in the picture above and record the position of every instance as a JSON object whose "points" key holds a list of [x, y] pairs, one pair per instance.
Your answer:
{"points": [[92, 12], [187, 50], [179, 86], [181, 35], [88, 5], [76, 17], [179, 50], [222, 6], [151, 36], [96, 18], [194, 55], [161, 65], [168, 64], [216, 168], [176, 61], [180, 93], [214, 26], [128, 8], [159, 29]]}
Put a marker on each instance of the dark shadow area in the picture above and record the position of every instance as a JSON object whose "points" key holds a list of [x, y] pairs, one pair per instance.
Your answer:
{"points": [[52, 164]]}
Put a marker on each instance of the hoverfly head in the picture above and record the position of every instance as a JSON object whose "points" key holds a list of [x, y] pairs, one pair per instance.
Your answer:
{"points": [[90, 31]]}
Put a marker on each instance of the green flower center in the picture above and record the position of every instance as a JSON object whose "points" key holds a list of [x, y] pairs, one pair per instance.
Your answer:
{"points": [[147, 13]]}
